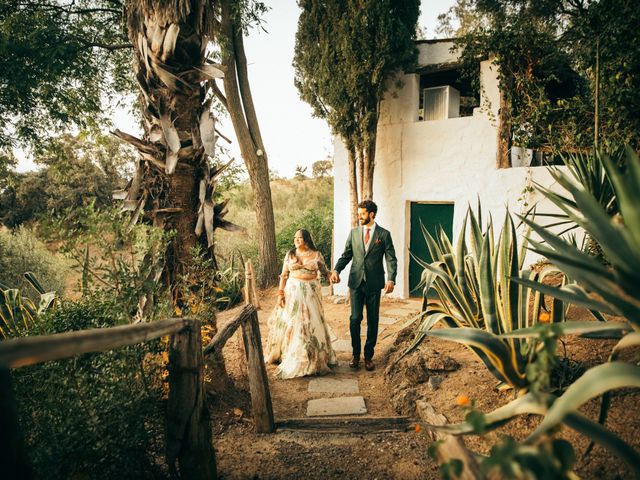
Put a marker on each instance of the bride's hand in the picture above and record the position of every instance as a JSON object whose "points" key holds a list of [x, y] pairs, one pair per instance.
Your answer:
{"points": [[281, 300]]}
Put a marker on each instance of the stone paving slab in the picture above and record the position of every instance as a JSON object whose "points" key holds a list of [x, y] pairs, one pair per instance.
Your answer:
{"points": [[401, 312], [387, 320], [336, 406], [333, 385], [343, 367], [342, 345]]}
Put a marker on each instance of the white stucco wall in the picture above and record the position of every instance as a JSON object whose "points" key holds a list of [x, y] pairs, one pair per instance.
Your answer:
{"points": [[451, 161], [434, 52]]}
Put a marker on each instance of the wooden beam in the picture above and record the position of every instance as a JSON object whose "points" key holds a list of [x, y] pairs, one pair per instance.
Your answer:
{"points": [[258, 381], [188, 434], [25, 351], [452, 447], [347, 424], [250, 291], [13, 454], [225, 333]]}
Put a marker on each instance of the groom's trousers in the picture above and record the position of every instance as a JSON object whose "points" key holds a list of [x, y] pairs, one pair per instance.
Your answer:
{"points": [[361, 297]]}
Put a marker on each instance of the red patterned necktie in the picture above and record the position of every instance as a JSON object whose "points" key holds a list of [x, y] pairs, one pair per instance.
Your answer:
{"points": [[367, 235]]}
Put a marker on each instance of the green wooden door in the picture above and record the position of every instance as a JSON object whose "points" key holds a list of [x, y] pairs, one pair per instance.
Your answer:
{"points": [[433, 216]]}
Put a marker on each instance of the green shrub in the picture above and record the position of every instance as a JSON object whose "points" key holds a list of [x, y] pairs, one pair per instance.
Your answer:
{"points": [[96, 416], [297, 204], [320, 225], [204, 287], [21, 252], [112, 255], [18, 315]]}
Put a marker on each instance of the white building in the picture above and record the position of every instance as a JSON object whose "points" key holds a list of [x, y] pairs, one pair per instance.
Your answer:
{"points": [[431, 169]]}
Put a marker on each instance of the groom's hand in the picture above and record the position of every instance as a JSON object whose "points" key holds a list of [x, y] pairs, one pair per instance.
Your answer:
{"points": [[388, 287], [334, 277]]}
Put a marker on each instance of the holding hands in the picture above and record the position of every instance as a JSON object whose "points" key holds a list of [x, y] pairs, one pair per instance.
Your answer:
{"points": [[334, 277]]}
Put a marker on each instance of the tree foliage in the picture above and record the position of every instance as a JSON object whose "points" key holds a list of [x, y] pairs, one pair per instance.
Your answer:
{"points": [[549, 53], [76, 170], [61, 64], [21, 251], [321, 168], [102, 412], [345, 54]]}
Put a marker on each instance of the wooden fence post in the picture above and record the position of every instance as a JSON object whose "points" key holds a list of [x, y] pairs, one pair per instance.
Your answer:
{"points": [[258, 381], [188, 427], [250, 291], [13, 454]]}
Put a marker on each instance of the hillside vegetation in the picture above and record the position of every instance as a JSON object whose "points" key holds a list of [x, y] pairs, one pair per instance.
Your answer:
{"points": [[298, 203]]}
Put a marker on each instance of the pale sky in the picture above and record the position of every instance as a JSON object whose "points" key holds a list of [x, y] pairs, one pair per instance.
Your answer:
{"points": [[290, 133]]}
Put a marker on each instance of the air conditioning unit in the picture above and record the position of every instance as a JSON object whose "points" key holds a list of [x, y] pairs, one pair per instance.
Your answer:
{"points": [[440, 103]]}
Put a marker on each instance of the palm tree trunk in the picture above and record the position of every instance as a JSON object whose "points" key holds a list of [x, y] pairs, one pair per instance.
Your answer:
{"points": [[173, 182], [245, 123], [182, 188]]}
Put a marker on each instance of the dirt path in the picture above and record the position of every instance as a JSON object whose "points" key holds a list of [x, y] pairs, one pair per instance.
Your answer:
{"points": [[289, 454], [242, 454]]}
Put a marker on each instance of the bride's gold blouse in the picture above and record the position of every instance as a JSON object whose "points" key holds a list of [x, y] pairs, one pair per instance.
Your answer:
{"points": [[304, 267]]}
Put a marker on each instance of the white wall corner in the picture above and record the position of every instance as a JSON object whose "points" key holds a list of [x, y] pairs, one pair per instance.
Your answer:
{"points": [[400, 101], [489, 89], [341, 209]]}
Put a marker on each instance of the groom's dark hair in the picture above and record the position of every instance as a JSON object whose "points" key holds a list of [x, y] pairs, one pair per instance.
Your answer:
{"points": [[369, 205]]}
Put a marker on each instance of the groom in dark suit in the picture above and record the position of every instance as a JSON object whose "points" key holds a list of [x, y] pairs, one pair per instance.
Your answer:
{"points": [[366, 246]]}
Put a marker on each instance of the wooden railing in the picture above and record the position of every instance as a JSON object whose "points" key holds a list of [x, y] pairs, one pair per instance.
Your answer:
{"points": [[258, 380], [188, 431]]}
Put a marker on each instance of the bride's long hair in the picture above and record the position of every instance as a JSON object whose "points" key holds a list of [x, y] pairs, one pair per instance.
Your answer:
{"points": [[308, 241]]}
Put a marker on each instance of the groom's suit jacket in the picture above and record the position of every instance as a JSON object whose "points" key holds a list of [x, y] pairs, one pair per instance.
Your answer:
{"points": [[367, 265]]}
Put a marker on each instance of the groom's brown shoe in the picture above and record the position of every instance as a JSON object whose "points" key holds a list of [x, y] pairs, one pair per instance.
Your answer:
{"points": [[355, 362], [368, 364]]}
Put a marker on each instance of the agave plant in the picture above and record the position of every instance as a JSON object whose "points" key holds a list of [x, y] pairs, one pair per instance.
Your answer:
{"points": [[586, 170], [478, 301], [617, 284], [18, 312], [564, 409]]}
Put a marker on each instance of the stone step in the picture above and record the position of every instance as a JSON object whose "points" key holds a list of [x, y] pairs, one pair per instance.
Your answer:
{"points": [[388, 320], [348, 424], [333, 385], [322, 407]]}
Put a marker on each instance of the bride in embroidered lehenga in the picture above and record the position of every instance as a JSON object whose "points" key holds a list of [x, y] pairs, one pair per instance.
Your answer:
{"points": [[299, 337]]}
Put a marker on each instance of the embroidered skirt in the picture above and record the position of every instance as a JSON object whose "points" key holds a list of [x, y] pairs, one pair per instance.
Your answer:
{"points": [[299, 336]]}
